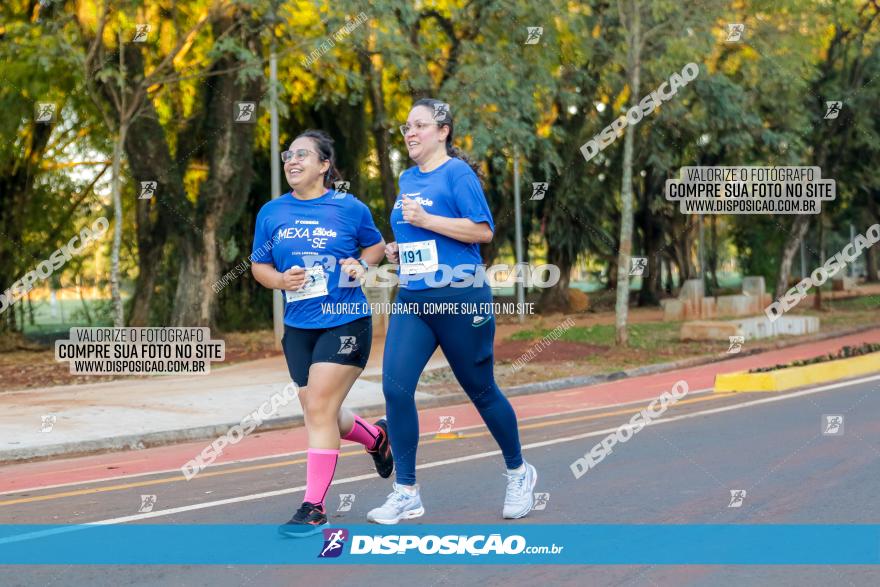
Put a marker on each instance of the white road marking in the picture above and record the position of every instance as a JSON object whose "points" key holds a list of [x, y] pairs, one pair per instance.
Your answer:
{"points": [[303, 452]]}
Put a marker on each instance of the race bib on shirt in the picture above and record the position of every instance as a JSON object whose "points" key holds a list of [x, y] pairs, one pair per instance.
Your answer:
{"points": [[418, 257], [314, 286]]}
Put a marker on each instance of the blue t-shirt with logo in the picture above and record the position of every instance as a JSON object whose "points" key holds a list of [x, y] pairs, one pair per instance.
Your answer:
{"points": [[452, 190], [310, 233]]}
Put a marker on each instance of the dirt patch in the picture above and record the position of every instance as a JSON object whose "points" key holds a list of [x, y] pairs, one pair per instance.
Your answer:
{"points": [[557, 350]]}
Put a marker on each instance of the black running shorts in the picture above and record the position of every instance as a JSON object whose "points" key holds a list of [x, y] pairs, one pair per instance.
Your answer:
{"points": [[346, 344]]}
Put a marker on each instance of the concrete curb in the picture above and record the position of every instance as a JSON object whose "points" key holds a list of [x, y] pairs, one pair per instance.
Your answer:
{"points": [[209, 433], [792, 377]]}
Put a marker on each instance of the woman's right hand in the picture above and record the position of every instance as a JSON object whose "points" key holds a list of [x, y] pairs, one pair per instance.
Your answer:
{"points": [[293, 278], [391, 252]]}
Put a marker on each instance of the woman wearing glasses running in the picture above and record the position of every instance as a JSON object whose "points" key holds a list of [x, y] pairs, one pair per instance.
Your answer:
{"points": [[439, 220], [314, 243]]}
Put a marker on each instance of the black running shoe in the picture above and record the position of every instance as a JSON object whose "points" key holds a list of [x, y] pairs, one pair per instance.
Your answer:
{"points": [[309, 519], [382, 452]]}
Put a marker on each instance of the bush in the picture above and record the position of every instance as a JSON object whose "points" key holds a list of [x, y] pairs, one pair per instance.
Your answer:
{"points": [[844, 353]]}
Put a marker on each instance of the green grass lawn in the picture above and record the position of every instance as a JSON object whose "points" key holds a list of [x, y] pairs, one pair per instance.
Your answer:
{"points": [[66, 314], [647, 335]]}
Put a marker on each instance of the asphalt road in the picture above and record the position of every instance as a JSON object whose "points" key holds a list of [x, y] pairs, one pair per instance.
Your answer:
{"points": [[680, 470]]}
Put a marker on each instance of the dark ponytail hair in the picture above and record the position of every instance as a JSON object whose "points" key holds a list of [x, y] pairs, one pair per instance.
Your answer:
{"points": [[326, 152], [443, 116]]}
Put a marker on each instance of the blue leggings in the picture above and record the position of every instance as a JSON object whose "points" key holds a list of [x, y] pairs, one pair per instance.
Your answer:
{"points": [[466, 338]]}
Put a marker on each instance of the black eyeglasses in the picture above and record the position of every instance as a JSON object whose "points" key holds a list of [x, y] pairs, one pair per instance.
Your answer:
{"points": [[420, 126], [298, 154]]}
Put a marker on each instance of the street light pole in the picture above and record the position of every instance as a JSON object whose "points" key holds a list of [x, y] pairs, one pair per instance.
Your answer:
{"points": [[517, 201]]}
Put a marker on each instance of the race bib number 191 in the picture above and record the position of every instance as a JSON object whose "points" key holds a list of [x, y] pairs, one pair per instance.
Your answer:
{"points": [[314, 286], [418, 257]]}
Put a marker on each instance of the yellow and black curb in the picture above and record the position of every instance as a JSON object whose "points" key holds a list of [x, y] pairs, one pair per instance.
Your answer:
{"points": [[791, 377]]}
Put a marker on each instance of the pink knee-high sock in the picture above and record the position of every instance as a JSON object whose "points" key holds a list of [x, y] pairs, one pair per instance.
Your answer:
{"points": [[320, 467], [363, 432]]}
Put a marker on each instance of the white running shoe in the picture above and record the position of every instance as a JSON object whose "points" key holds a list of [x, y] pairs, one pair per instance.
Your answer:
{"points": [[400, 505], [519, 499]]}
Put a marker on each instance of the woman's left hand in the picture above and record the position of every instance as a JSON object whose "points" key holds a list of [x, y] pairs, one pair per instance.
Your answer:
{"points": [[352, 267], [414, 213]]}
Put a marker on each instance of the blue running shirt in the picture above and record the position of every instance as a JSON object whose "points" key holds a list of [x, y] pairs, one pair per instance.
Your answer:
{"points": [[452, 190], [316, 234]]}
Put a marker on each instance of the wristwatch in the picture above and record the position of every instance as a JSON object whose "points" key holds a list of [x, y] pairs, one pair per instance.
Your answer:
{"points": [[364, 264]]}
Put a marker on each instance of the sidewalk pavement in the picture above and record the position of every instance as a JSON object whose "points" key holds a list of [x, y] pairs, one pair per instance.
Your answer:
{"points": [[133, 414]]}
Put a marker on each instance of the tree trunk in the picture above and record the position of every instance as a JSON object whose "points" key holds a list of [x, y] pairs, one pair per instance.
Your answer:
{"points": [[555, 298], [115, 294], [682, 249], [149, 159], [871, 265], [611, 284], [148, 274], [199, 269], [626, 191], [817, 298], [669, 285], [223, 194], [713, 251], [17, 176], [798, 230], [649, 295], [871, 256], [380, 128]]}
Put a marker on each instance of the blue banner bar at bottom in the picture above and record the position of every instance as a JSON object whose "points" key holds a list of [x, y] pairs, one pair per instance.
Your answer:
{"points": [[165, 544]]}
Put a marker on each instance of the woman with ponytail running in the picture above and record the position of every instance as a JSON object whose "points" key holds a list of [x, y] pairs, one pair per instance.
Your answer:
{"points": [[313, 243], [439, 219]]}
